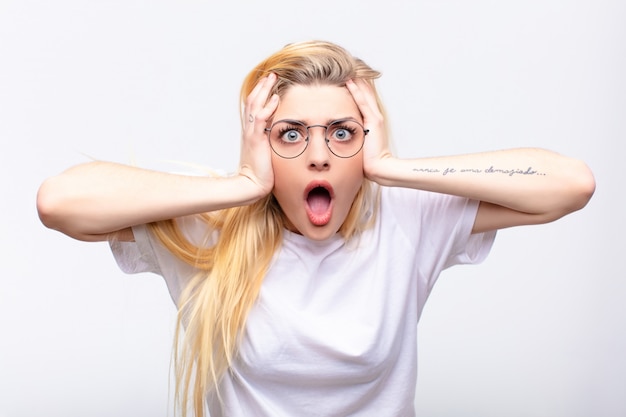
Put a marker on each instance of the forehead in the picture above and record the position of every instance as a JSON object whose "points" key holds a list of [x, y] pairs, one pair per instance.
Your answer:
{"points": [[317, 104]]}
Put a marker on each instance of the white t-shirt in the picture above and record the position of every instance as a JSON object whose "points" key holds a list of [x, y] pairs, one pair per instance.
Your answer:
{"points": [[334, 329]]}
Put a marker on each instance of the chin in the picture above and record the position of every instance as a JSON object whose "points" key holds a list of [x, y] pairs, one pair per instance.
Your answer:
{"points": [[318, 233], [321, 235]]}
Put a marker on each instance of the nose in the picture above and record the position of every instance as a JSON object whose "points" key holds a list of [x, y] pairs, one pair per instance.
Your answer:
{"points": [[318, 153]]}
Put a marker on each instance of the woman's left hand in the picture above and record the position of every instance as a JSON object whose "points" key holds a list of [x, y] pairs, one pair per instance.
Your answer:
{"points": [[376, 148]]}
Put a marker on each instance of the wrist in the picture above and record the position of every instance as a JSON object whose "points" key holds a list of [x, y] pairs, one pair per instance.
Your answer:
{"points": [[381, 170], [250, 188]]}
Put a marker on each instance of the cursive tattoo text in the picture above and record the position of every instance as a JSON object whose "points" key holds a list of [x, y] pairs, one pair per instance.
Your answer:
{"points": [[490, 170]]}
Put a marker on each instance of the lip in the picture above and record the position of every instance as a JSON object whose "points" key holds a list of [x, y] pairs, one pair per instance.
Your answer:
{"points": [[314, 218], [319, 183]]}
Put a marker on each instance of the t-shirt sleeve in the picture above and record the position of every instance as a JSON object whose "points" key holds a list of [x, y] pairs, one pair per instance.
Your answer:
{"points": [[468, 248], [138, 256], [440, 227], [147, 254]]}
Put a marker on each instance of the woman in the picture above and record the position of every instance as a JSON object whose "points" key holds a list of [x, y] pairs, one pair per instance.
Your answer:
{"points": [[300, 279]]}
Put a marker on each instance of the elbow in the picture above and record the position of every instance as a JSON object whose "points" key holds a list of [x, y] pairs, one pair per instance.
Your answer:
{"points": [[56, 205], [61, 208], [583, 188], [579, 190], [54, 208], [49, 206]]}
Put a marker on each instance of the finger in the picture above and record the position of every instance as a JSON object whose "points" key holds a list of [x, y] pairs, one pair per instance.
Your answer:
{"points": [[359, 98], [269, 108], [251, 101], [259, 122], [365, 99], [370, 97], [255, 91], [257, 99]]}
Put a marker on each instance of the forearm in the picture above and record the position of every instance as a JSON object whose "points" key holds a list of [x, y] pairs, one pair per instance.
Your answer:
{"points": [[100, 197], [533, 181]]}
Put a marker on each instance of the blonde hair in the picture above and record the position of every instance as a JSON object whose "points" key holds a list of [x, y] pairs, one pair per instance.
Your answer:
{"points": [[214, 306]]}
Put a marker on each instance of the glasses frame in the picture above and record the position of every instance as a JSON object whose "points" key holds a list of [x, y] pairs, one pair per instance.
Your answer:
{"points": [[308, 136]]}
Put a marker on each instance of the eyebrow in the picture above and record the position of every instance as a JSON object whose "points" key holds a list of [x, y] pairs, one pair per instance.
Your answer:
{"points": [[328, 121]]}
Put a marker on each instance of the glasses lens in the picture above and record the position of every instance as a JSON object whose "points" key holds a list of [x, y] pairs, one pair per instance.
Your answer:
{"points": [[288, 139], [345, 138]]}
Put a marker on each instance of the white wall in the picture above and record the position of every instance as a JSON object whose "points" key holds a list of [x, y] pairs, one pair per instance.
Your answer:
{"points": [[537, 330]]}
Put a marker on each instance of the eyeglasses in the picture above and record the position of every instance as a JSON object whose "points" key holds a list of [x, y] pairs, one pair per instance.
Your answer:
{"points": [[290, 138]]}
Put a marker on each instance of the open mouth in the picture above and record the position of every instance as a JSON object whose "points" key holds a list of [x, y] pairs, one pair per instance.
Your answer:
{"points": [[319, 203]]}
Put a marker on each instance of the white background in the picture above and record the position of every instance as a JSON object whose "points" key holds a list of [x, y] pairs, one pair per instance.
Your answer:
{"points": [[538, 330]]}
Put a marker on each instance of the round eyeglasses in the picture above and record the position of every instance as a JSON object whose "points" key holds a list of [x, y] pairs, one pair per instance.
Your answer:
{"points": [[290, 138]]}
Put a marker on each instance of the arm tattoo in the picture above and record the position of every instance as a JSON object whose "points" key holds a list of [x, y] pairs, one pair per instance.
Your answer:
{"points": [[490, 170]]}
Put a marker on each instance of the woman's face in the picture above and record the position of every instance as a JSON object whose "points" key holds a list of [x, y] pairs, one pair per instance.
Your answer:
{"points": [[315, 190]]}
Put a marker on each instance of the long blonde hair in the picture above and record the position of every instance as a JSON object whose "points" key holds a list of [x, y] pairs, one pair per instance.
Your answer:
{"points": [[214, 306]]}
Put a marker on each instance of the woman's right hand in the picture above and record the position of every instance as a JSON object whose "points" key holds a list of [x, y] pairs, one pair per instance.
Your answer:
{"points": [[97, 200], [256, 155]]}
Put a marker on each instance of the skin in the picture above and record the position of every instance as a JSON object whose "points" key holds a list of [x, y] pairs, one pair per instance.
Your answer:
{"points": [[316, 105], [100, 200], [551, 186]]}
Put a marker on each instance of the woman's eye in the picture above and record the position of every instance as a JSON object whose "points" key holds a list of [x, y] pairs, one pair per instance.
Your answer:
{"points": [[291, 136], [342, 134]]}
